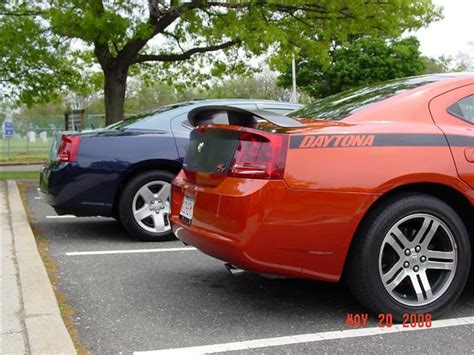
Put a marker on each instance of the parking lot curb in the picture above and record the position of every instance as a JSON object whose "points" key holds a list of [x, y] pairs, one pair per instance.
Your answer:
{"points": [[46, 332]]}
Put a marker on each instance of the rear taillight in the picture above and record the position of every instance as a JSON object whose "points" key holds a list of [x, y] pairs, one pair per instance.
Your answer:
{"points": [[68, 148], [259, 156]]}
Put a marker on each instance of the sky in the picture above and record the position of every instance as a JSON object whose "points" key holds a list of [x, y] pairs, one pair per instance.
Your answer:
{"points": [[452, 34]]}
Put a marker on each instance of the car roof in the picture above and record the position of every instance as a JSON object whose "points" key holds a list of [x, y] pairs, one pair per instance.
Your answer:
{"points": [[184, 106], [412, 104], [239, 101], [176, 109], [231, 102]]}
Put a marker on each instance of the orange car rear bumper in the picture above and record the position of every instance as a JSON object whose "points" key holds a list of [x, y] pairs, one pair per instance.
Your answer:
{"points": [[266, 227]]}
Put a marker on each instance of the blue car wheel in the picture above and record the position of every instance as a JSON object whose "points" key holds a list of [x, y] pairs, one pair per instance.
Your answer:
{"points": [[145, 206]]}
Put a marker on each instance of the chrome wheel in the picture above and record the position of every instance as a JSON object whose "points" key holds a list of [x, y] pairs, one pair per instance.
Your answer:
{"points": [[151, 206], [418, 259]]}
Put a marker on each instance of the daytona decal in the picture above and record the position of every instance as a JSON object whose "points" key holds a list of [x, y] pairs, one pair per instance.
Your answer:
{"points": [[343, 140], [377, 140]]}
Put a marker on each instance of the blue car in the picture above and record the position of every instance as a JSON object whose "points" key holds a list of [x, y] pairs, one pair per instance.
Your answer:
{"points": [[125, 170]]}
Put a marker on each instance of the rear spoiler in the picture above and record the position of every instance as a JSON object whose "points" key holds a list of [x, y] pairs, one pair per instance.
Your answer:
{"points": [[239, 117]]}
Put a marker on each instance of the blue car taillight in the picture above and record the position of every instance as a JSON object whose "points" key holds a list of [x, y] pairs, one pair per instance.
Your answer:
{"points": [[68, 149]]}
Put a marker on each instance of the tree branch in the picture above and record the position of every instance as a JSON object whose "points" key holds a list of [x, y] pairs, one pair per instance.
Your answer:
{"points": [[101, 50], [185, 55], [20, 14], [176, 38], [283, 6], [159, 21]]}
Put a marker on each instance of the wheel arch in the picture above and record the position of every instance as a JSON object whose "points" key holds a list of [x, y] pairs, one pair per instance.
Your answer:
{"points": [[453, 197], [172, 166]]}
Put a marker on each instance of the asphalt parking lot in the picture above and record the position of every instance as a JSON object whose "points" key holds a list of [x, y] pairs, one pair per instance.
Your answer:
{"points": [[137, 297]]}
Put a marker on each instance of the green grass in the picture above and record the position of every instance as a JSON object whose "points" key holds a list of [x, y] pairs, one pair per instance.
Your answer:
{"points": [[21, 143], [23, 158], [19, 175], [36, 153]]}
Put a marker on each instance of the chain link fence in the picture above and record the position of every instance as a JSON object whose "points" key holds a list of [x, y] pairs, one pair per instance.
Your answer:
{"points": [[33, 137]]}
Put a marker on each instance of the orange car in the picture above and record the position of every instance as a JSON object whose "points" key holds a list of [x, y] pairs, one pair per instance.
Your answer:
{"points": [[374, 185]]}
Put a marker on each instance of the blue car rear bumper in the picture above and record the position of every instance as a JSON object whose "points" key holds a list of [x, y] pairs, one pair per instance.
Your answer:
{"points": [[71, 189]]}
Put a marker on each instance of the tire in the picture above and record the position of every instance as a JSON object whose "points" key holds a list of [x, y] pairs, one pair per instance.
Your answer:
{"points": [[144, 206], [411, 255]]}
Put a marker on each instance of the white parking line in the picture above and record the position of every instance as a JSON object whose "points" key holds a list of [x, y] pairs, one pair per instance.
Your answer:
{"points": [[37, 198], [302, 338], [130, 251], [62, 216]]}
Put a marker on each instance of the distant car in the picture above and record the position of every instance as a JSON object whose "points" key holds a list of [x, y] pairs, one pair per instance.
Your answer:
{"points": [[375, 184], [125, 170]]}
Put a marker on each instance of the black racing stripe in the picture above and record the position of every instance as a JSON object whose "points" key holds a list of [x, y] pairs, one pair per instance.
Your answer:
{"points": [[295, 141], [460, 141], [385, 140], [410, 140]]}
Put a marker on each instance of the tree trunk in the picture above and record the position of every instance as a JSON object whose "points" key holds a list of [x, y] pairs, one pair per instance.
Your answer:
{"points": [[114, 94]]}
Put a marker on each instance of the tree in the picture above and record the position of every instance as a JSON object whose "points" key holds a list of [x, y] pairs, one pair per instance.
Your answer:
{"points": [[444, 64], [441, 64], [463, 61], [184, 36], [364, 61], [34, 63], [149, 96], [260, 86]]}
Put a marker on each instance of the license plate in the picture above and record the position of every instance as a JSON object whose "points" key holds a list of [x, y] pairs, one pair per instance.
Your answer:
{"points": [[187, 208]]}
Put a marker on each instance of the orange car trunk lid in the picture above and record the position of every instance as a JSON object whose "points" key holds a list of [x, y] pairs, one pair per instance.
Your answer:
{"points": [[248, 147], [219, 151], [209, 155]]}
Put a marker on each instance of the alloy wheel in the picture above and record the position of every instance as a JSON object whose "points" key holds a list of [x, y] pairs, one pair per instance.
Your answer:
{"points": [[418, 259], [151, 206]]}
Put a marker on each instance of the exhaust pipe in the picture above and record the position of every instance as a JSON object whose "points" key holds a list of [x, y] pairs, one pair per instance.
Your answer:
{"points": [[232, 269]]}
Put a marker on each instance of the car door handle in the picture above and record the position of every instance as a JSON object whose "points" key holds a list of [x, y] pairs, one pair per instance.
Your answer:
{"points": [[469, 153]]}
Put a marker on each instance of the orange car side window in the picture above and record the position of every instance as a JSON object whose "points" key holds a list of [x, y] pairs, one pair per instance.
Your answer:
{"points": [[463, 109]]}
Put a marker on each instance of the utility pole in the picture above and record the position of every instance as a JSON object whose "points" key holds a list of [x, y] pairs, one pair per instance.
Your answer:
{"points": [[294, 94]]}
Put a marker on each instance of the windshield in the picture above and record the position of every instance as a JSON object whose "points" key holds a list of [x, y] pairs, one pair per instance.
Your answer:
{"points": [[338, 106], [147, 120]]}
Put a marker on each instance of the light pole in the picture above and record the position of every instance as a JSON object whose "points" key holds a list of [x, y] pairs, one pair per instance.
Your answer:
{"points": [[294, 94]]}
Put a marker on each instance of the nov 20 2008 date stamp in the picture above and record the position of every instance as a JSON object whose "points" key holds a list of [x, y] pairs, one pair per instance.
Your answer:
{"points": [[385, 320]]}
